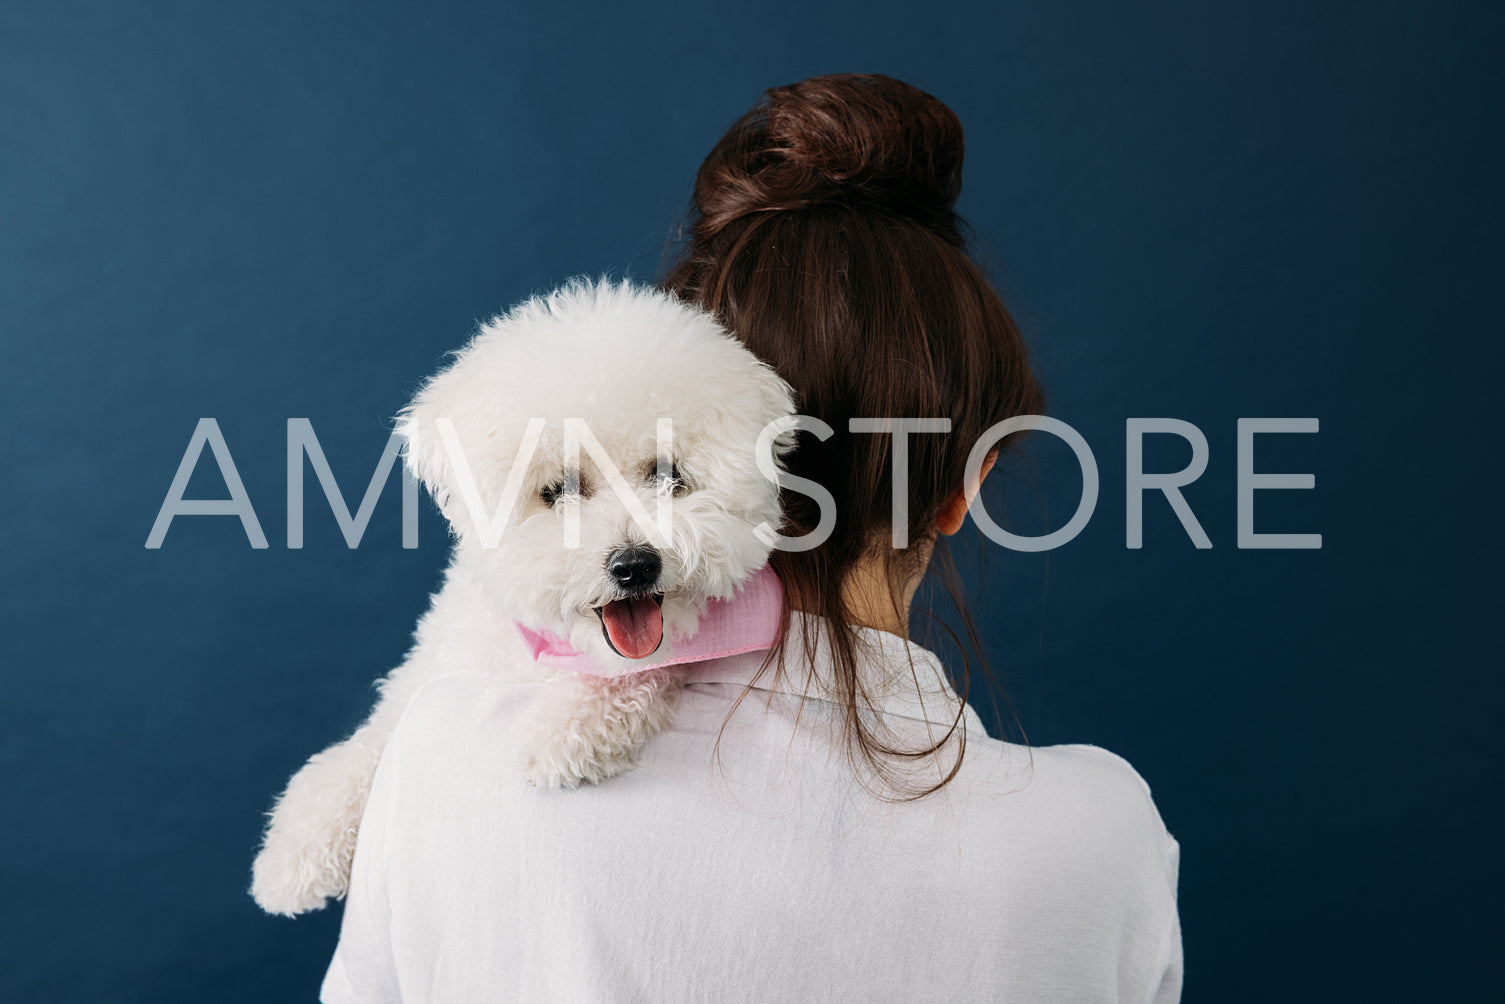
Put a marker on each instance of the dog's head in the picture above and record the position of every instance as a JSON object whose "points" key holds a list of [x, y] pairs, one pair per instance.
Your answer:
{"points": [[615, 418]]}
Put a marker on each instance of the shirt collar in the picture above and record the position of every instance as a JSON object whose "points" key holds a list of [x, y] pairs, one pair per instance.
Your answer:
{"points": [[900, 677]]}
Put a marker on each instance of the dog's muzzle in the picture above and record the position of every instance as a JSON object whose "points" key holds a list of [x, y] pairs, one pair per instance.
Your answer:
{"points": [[634, 624]]}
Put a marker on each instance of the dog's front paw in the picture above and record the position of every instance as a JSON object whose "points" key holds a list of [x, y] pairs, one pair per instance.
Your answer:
{"points": [[566, 759], [588, 729], [310, 842], [291, 876]]}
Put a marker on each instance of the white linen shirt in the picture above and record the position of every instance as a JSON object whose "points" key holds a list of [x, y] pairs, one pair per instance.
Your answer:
{"points": [[756, 868]]}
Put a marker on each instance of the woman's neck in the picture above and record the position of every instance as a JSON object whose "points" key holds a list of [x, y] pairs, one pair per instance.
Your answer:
{"points": [[869, 598]]}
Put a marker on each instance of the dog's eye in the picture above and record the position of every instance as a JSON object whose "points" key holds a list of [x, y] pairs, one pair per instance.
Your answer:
{"points": [[670, 478], [572, 485]]}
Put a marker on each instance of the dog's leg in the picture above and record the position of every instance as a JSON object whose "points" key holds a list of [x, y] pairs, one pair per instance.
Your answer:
{"points": [[587, 728], [310, 838]]}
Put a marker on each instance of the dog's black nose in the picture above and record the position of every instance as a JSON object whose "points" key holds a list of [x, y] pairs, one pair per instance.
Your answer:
{"points": [[634, 567]]}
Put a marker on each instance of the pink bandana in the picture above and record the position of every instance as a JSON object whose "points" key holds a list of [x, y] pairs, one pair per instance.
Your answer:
{"points": [[748, 622]]}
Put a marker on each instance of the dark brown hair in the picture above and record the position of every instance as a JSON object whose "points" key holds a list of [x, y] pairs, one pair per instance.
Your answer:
{"points": [[823, 233]]}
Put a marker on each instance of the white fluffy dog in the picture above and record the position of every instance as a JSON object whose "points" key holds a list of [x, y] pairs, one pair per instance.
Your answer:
{"points": [[608, 416]]}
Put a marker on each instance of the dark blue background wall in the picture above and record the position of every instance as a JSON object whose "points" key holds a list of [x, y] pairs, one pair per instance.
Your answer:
{"points": [[264, 211]]}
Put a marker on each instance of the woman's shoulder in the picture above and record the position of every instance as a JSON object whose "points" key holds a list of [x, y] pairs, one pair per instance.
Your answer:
{"points": [[1088, 777], [1087, 803], [1081, 843], [1095, 770], [1087, 800]]}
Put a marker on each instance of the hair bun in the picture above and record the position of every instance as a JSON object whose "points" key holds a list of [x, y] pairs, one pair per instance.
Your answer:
{"points": [[845, 139]]}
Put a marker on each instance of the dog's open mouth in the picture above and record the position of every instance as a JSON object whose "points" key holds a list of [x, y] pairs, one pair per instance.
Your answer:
{"points": [[634, 627]]}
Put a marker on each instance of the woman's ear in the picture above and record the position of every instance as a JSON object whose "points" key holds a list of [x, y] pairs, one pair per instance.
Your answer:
{"points": [[954, 512]]}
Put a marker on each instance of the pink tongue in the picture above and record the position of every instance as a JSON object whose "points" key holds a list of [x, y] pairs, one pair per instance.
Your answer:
{"points": [[634, 627]]}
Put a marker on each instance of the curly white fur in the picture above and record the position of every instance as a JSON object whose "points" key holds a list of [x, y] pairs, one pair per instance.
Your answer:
{"points": [[620, 357]]}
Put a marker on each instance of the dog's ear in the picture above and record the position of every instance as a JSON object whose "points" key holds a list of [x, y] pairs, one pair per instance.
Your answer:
{"points": [[776, 399], [423, 450], [458, 431]]}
